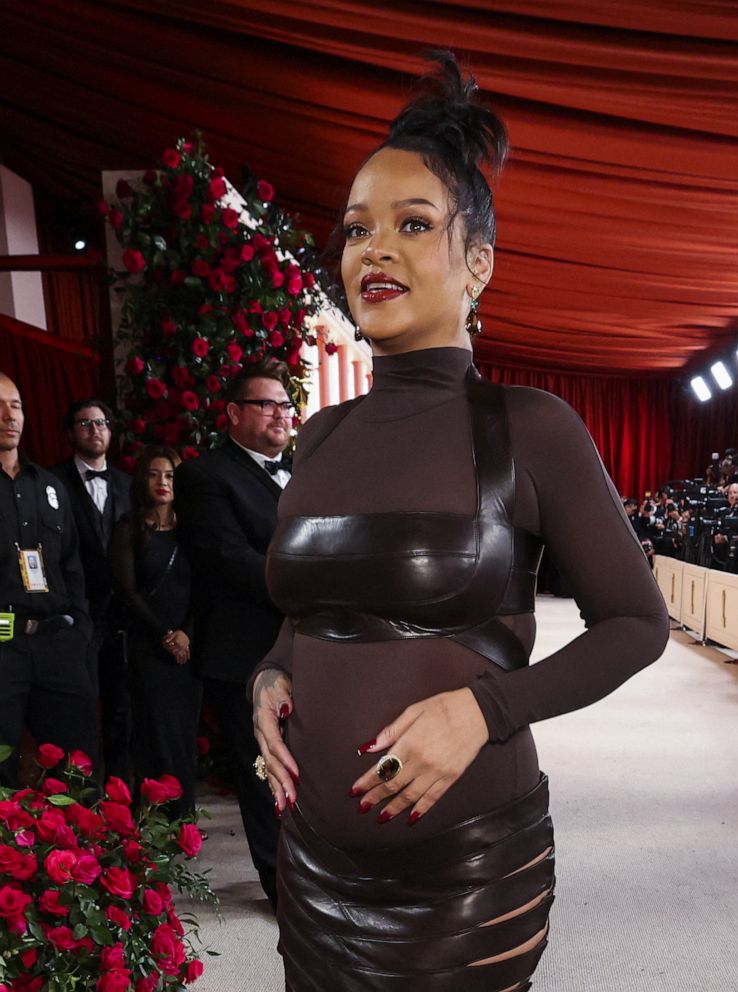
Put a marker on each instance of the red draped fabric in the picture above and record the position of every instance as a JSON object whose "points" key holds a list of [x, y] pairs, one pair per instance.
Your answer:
{"points": [[50, 374]]}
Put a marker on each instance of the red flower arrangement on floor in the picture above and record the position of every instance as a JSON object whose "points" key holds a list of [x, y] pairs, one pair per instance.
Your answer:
{"points": [[86, 885]]}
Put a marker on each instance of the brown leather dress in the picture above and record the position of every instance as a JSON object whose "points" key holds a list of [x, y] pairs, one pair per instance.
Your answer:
{"points": [[416, 577]]}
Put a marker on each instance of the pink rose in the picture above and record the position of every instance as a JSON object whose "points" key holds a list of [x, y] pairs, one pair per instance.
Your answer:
{"points": [[195, 969], [49, 755], [134, 260], [117, 916], [25, 838], [171, 158], [190, 839], [48, 902], [119, 882], [81, 761], [60, 866], [264, 190]]}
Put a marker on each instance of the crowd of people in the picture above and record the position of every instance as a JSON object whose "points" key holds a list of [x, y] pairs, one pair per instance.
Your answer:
{"points": [[695, 520]]}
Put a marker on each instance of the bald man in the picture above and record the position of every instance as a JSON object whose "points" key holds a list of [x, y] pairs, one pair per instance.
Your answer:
{"points": [[44, 624]]}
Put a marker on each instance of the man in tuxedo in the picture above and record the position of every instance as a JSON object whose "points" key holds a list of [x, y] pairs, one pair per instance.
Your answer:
{"points": [[99, 495], [227, 512]]}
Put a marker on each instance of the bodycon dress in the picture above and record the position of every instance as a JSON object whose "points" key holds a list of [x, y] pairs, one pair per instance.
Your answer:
{"points": [[404, 560]]}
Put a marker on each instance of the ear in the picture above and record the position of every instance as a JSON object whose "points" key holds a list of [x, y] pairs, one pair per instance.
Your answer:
{"points": [[480, 259], [232, 410]]}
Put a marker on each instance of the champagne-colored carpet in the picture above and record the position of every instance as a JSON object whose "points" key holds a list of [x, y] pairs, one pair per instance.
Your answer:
{"points": [[645, 806]]}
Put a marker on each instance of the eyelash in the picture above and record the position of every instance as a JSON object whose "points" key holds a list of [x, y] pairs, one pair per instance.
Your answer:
{"points": [[350, 231]]}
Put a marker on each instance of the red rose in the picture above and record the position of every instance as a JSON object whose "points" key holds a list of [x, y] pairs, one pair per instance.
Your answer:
{"points": [[81, 761], [119, 882], [269, 261], [200, 267], [25, 868], [122, 189], [177, 277], [171, 434], [84, 944], [65, 837], [102, 208], [190, 839], [172, 785], [28, 958], [229, 217], [331, 348], [87, 870], [49, 755], [154, 792], [195, 969], [168, 328], [168, 949], [190, 400], [184, 186], [112, 957], [207, 213], [117, 790], [277, 279], [116, 218], [87, 822], [147, 983], [132, 851], [284, 316], [117, 916], [294, 285], [202, 241], [182, 378], [189, 452], [309, 280], [231, 259], [137, 426], [213, 384], [200, 347], [13, 816], [12, 902], [156, 389], [149, 177], [276, 339], [269, 320], [134, 260], [171, 158], [61, 937], [255, 307], [264, 190], [183, 209], [216, 189], [218, 170], [118, 817], [217, 280], [134, 366], [60, 866], [221, 422], [48, 902], [9, 859], [152, 903], [165, 893], [234, 352], [48, 824], [54, 787], [247, 253], [118, 980]]}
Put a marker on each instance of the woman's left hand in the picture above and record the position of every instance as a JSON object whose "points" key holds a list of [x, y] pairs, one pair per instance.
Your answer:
{"points": [[436, 740]]}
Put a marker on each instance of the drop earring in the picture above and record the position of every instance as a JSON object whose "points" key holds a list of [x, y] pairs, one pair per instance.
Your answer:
{"points": [[358, 336], [473, 323]]}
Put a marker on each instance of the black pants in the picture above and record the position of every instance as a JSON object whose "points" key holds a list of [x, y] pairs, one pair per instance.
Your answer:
{"points": [[45, 686], [106, 659], [165, 702], [233, 713]]}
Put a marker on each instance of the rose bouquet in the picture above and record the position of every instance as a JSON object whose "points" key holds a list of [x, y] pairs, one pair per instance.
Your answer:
{"points": [[211, 280], [86, 885]]}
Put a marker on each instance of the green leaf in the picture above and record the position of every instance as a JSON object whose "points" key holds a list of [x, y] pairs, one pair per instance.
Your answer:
{"points": [[5, 751], [61, 800], [102, 936], [79, 931]]}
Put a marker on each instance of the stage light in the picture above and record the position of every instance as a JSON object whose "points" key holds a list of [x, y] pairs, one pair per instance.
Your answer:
{"points": [[80, 245], [721, 375], [700, 388]]}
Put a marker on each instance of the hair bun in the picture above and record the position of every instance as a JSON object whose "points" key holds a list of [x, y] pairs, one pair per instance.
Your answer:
{"points": [[447, 110]]}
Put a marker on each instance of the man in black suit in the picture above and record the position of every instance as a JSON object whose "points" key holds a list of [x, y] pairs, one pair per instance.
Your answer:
{"points": [[99, 495], [227, 512]]}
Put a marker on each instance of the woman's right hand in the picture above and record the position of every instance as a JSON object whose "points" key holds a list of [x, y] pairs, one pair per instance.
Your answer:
{"points": [[272, 702]]}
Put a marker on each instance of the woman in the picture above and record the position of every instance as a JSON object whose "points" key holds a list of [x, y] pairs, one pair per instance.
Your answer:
{"points": [[405, 560], [152, 578]]}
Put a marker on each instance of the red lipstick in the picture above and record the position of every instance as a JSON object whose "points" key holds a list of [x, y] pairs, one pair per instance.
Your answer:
{"points": [[378, 287]]}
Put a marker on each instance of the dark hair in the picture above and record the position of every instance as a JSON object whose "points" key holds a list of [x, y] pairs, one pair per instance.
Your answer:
{"points": [[265, 369], [74, 409], [140, 497]]}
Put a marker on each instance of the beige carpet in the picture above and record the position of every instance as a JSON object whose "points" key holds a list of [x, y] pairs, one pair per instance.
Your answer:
{"points": [[645, 805]]}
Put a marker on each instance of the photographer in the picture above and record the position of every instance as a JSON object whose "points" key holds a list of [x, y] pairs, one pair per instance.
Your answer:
{"points": [[669, 532], [725, 540]]}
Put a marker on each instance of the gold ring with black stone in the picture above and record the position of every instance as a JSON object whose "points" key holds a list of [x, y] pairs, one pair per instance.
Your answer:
{"points": [[260, 767], [389, 767]]}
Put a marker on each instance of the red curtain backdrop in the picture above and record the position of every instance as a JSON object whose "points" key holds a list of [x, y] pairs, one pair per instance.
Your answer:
{"points": [[50, 374]]}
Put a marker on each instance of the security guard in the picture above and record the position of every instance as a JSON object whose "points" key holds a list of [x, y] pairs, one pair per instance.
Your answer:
{"points": [[44, 624]]}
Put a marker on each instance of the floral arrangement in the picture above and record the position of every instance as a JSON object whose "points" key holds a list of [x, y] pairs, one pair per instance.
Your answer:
{"points": [[209, 284], [86, 887]]}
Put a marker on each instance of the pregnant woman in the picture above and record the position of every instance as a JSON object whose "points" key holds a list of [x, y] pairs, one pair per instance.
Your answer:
{"points": [[417, 849]]}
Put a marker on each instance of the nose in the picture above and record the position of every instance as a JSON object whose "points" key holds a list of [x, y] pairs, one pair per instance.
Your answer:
{"points": [[375, 254]]}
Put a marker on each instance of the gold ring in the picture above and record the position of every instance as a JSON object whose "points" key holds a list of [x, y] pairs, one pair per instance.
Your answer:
{"points": [[389, 767], [260, 767]]}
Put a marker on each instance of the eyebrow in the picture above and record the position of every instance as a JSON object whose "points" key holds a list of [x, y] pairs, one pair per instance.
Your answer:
{"points": [[413, 201]]}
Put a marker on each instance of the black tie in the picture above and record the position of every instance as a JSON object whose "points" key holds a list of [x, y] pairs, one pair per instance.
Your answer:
{"points": [[92, 474], [273, 467]]}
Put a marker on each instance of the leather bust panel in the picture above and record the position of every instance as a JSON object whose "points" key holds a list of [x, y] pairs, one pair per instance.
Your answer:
{"points": [[388, 576]]}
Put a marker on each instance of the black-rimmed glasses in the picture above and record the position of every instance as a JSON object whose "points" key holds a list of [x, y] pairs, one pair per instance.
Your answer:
{"points": [[270, 407], [86, 423]]}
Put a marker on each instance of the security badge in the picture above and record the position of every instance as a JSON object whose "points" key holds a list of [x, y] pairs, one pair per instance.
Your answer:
{"points": [[33, 573], [52, 497]]}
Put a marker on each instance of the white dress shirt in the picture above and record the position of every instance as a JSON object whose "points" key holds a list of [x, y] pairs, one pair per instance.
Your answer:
{"points": [[97, 488], [282, 477]]}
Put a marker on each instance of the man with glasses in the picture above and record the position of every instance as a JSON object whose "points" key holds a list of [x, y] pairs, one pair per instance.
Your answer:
{"points": [[44, 624], [227, 511], [99, 495]]}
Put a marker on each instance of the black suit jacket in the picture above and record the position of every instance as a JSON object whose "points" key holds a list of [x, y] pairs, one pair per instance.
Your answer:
{"points": [[94, 556], [227, 513]]}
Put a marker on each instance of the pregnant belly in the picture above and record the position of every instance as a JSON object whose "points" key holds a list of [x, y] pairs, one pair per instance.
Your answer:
{"points": [[345, 694]]}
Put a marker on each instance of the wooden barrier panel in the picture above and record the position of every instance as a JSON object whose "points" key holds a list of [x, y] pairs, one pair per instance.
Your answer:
{"points": [[668, 574], [721, 622], [694, 597]]}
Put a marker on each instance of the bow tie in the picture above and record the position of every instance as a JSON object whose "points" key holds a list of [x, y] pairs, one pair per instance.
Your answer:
{"points": [[92, 474], [273, 467]]}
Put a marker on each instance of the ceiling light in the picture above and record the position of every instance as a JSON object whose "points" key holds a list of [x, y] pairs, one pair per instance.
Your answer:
{"points": [[721, 375], [700, 388], [80, 245]]}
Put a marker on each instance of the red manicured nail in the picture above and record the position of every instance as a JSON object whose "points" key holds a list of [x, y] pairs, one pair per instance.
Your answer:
{"points": [[384, 817], [295, 777], [356, 792], [291, 802], [277, 812], [413, 818], [284, 711], [365, 807], [363, 748]]}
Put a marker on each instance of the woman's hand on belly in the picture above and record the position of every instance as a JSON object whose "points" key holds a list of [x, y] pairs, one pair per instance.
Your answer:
{"points": [[436, 740], [273, 703]]}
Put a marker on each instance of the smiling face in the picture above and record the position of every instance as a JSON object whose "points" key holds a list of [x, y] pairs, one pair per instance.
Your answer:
{"points": [[160, 482], [407, 275]]}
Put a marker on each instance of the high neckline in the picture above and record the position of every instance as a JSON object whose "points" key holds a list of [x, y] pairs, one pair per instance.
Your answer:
{"points": [[415, 381]]}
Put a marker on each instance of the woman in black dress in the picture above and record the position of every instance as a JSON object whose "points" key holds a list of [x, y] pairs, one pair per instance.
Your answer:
{"points": [[405, 560], [152, 578]]}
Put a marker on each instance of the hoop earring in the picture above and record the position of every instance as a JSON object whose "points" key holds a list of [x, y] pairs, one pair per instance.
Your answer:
{"points": [[358, 336], [473, 322]]}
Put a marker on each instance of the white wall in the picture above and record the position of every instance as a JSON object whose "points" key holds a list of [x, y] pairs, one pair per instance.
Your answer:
{"points": [[21, 293]]}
